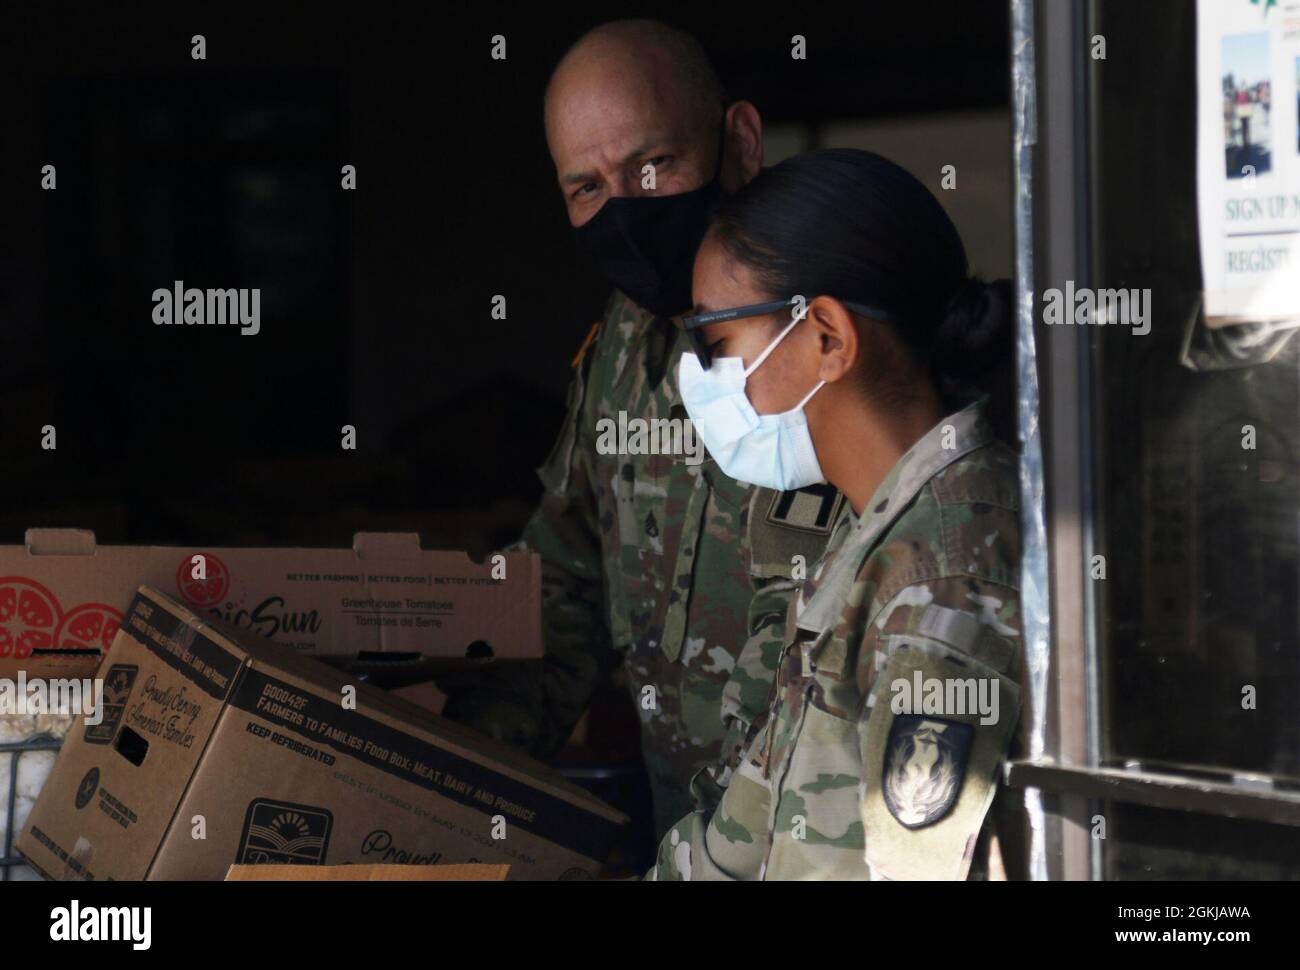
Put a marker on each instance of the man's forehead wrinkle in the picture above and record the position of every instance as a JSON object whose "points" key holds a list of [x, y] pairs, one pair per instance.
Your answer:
{"points": [[604, 131], [611, 146]]}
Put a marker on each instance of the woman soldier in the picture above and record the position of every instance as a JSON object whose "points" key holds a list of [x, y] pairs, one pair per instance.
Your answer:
{"points": [[840, 338]]}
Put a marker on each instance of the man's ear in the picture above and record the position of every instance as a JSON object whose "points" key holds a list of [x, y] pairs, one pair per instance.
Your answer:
{"points": [[837, 337], [744, 145]]}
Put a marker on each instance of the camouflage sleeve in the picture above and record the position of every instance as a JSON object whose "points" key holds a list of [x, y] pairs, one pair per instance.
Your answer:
{"points": [[727, 843], [939, 666], [533, 709]]}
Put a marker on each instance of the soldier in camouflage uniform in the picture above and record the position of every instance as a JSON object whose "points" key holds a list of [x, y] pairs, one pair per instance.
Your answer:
{"points": [[651, 561], [925, 580], [897, 695]]}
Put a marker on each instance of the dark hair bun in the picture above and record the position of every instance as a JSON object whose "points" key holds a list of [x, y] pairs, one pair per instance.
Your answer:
{"points": [[975, 325], [974, 345]]}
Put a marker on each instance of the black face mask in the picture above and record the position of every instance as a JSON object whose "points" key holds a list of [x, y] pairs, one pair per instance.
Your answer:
{"points": [[645, 245]]}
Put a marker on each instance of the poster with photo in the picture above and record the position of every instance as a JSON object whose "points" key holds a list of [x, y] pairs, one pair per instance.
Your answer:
{"points": [[1248, 159]]}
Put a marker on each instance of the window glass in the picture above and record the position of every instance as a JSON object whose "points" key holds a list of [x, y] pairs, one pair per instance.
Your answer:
{"points": [[1197, 485]]}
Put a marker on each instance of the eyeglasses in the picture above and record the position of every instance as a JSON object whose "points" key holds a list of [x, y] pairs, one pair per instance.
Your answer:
{"points": [[694, 324]]}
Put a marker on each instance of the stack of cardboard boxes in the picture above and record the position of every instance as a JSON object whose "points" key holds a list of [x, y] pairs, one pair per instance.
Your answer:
{"points": [[215, 746]]}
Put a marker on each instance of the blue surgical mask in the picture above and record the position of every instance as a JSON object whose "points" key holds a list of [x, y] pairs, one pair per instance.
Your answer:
{"points": [[769, 450]]}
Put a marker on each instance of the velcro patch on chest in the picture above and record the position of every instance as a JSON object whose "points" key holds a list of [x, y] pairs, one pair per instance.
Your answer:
{"points": [[812, 509], [788, 531]]}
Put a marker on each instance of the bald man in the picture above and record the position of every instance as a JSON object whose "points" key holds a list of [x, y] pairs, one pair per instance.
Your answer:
{"points": [[654, 561]]}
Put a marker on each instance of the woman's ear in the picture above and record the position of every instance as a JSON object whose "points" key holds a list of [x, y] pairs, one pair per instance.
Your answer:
{"points": [[837, 338]]}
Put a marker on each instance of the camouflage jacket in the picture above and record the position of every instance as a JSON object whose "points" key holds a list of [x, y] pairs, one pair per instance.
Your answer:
{"points": [[653, 561], [847, 778]]}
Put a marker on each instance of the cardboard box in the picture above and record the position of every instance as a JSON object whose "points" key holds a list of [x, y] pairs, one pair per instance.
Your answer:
{"points": [[211, 731], [462, 873], [61, 598]]}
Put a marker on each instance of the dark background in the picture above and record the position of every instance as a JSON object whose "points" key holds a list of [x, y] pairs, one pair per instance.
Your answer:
{"points": [[375, 303]]}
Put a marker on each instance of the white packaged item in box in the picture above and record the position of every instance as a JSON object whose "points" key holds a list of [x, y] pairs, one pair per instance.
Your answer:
{"points": [[23, 774]]}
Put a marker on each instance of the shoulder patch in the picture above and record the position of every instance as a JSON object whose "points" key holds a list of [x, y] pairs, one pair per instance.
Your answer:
{"points": [[925, 765], [811, 509], [931, 770]]}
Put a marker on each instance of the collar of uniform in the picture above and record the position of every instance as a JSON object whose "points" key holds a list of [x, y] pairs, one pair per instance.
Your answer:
{"points": [[952, 438], [845, 526], [634, 324]]}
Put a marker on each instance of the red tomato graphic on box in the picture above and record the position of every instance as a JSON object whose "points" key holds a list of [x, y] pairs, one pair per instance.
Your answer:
{"points": [[88, 625], [29, 616], [207, 592]]}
